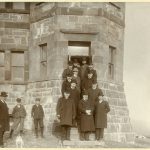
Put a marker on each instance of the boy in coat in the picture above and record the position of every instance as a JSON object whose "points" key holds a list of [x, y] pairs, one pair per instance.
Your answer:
{"points": [[4, 117], [86, 117], [66, 113], [101, 110], [37, 114], [19, 114]]}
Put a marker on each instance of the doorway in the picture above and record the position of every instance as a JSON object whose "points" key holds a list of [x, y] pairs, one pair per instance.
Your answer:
{"points": [[77, 50]]}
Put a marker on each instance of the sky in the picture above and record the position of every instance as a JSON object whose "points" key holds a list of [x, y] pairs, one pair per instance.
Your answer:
{"points": [[137, 65]]}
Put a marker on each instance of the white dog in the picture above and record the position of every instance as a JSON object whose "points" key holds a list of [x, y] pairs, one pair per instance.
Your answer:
{"points": [[19, 142]]}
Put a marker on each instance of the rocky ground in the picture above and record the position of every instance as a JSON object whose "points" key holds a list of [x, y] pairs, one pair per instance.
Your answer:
{"points": [[52, 142]]}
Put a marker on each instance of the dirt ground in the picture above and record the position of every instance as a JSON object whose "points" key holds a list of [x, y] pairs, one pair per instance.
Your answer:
{"points": [[30, 141]]}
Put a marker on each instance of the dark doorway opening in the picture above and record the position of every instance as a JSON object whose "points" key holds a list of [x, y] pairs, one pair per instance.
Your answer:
{"points": [[77, 50]]}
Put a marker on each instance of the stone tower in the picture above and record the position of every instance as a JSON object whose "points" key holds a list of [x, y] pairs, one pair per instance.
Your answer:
{"points": [[38, 39]]}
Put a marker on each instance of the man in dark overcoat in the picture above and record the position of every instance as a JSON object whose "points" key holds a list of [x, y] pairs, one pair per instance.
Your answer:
{"points": [[19, 114], [75, 96], [37, 113], [68, 70], [87, 81], [86, 114], [83, 67], [91, 68], [94, 92], [4, 117], [66, 84], [101, 110], [66, 113]]}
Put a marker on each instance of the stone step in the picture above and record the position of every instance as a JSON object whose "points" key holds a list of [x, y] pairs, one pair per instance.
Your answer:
{"points": [[83, 143]]}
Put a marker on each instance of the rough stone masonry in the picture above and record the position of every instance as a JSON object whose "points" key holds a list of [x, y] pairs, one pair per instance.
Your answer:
{"points": [[34, 40]]}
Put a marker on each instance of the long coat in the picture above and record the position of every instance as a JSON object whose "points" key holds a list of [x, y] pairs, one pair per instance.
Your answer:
{"points": [[65, 86], [78, 80], [87, 121], [75, 96], [37, 112], [4, 117], [94, 73], [101, 110], [66, 110], [93, 94], [87, 83], [19, 112], [66, 72], [83, 69]]}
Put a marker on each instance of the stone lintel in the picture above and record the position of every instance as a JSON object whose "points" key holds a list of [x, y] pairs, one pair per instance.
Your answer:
{"points": [[72, 31]]}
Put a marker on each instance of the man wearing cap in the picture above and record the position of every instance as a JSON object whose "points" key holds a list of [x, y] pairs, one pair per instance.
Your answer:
{"points": [[91, 68], [87, 120], [4, 117], [101, 110], [83, 67], [94, 92], [76, 65], [68, 70], [66, 113], [77, 78], [66, 83], [19, 114], [37, 113], [88, 81]]}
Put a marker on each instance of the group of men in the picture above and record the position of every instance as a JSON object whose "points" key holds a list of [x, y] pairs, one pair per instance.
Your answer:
{"points": [[82, 104], [19, 114]]}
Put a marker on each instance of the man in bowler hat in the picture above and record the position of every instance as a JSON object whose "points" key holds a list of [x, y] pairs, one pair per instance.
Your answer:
{"points": [[66, 113], [4, 117], [101, 110]]}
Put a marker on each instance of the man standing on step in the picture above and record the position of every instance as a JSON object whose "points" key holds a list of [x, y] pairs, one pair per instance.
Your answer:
{"points": [[101, 110], [68, 70], [66, 113], [66, 83], [37, 114], [86, 119], [75, 96], [19, 114], [4, 117], [87, 81], [91, 68], [83, 67], [77, 78], [94, 92]]}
